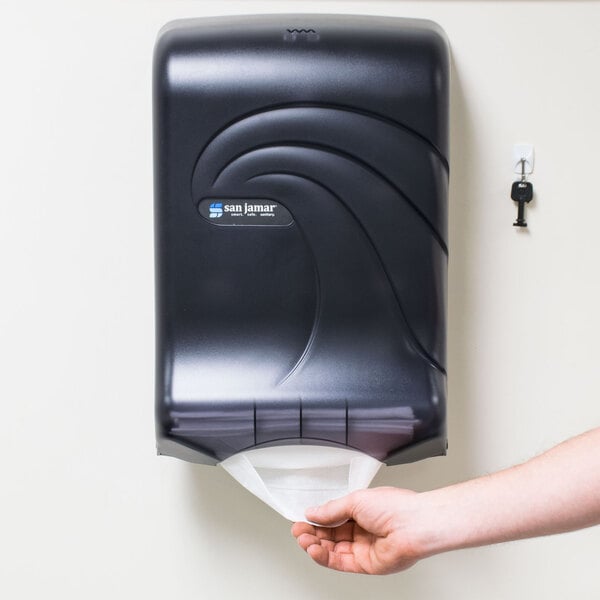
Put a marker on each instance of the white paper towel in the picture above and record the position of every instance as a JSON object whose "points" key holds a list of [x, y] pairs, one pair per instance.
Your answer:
{"points": [[292, 478]]}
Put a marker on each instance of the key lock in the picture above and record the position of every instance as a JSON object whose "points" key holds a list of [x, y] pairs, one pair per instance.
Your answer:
{"points": [[522, 193]]}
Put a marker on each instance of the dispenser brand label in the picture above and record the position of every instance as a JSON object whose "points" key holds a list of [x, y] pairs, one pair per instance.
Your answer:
{"points": [[244, 212]]}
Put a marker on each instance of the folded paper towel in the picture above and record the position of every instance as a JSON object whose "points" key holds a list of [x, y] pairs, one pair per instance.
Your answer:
{"points": [[292, 478]]}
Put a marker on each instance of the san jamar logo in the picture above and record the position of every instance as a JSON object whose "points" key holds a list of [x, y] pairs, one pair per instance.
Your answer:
{"points": [[217, 209]]}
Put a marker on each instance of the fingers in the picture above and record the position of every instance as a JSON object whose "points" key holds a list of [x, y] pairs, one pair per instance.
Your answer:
{"points": [[300, 528], [305, 541], [318, 554], [334, 512], [344, 532], [339, 561], [329, 547]]}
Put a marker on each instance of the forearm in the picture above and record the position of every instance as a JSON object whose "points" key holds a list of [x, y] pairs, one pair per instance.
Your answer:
{"points": [[555, 492]]}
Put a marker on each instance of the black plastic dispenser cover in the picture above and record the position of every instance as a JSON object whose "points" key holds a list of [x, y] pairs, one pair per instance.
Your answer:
{"points": [[301, 178]]}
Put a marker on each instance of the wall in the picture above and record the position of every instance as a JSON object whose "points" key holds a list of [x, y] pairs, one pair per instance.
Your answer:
{"points": [[87, 509]]}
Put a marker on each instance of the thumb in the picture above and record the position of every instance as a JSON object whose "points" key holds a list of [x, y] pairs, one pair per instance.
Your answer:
{"points": [[333, 513]]}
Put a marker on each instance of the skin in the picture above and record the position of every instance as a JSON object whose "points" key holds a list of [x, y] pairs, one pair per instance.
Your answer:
{"points": [[385, 530]]}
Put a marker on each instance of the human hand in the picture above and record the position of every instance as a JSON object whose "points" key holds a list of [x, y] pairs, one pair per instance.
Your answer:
{"points": [[384, 530], [372, 531]]}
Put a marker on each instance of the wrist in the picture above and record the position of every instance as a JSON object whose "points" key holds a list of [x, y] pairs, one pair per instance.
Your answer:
{"points": [[445, 521]]}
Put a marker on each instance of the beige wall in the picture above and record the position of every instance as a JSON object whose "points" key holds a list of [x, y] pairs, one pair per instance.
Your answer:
{"points": [[86, 509]]}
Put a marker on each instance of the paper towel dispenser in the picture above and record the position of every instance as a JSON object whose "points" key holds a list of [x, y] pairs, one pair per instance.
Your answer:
{"points": [[301, 178]]}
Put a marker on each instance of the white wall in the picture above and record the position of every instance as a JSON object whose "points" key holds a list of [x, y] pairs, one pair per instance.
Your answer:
{"points": [[86, 508]]}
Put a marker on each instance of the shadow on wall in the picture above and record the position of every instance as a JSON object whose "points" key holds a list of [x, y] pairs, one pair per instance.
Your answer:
{"points": [[225, 511]]}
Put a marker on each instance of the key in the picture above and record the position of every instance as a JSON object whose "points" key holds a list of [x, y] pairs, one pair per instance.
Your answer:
{"points": [[521, 192]]}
